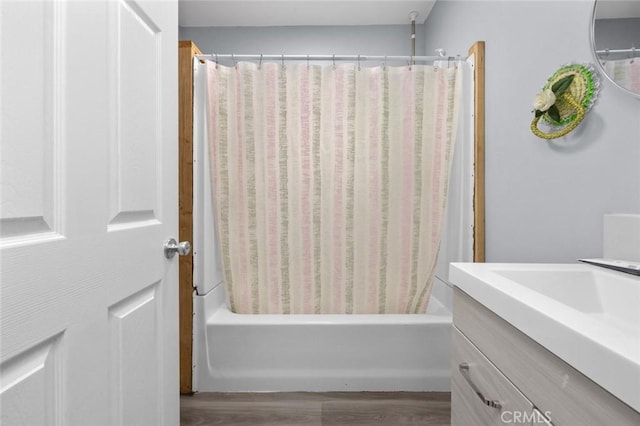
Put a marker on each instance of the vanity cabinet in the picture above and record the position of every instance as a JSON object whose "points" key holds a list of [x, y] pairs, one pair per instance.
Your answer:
{"points": [[480, 393], [501, 376]]}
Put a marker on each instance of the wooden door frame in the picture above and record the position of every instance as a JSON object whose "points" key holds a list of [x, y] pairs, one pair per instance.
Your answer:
{"points": [[187, 51], [477, 50]]}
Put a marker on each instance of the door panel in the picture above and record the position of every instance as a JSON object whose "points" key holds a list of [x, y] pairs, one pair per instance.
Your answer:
{"points": [[89, 195], [28, 174], [137, 63], [34, 376], [135, 329]]}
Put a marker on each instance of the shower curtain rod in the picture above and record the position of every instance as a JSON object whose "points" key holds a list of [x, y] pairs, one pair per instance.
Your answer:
{"points": [[632, 50], [351, 58]]}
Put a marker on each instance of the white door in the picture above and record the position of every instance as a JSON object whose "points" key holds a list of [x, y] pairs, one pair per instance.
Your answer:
{"points": [[88, 196]]}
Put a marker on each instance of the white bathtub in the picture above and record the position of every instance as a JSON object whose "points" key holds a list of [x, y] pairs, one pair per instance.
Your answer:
{"points": [[242, 353]]}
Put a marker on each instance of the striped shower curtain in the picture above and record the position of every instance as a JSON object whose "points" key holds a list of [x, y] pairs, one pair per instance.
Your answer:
{"points": [[625, 72], [330, 184]]}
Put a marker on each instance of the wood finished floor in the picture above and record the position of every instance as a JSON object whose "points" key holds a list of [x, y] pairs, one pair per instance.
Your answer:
{"points": [[317, 409]]}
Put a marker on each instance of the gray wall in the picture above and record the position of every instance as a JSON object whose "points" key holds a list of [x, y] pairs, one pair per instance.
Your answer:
{"points": [[545, 200], [320, 40], [620, 33]]}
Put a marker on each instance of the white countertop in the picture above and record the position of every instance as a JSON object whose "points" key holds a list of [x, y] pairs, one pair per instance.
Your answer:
{"points": [[570, 309]]}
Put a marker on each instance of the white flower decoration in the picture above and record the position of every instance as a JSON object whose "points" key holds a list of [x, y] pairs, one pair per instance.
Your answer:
{"points": [[544, 100]]}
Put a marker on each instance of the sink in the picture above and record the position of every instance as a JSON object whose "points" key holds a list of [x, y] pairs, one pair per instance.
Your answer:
{"points": [[613, 297], [586, 315]]}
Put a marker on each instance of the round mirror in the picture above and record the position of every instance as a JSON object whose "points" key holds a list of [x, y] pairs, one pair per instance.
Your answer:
{"points": [[615, 39]]}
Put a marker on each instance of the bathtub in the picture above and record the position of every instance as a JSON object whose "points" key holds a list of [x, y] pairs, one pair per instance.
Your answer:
{"points": [[257, 353]]}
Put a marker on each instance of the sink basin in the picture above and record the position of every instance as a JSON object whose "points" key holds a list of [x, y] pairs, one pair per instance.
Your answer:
{"points": [[613, 297], [587, 316]]}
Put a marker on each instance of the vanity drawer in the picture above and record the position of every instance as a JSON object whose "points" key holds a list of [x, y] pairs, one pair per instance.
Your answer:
{"points": [[481, 395], [553, 386]]}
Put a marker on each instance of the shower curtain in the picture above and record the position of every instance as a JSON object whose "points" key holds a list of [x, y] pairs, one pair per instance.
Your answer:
{"points": [[626, 72], [330, 183]]}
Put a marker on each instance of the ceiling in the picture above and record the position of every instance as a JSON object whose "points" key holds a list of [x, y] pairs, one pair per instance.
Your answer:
{"points": [[262, 13]]}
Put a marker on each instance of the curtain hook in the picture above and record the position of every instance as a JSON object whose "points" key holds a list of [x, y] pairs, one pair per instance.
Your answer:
{"points": [[384, 65], [216, 60], [307, 61], [260, 63], [334, 61], [633, 54], [358, 62], [235, 64]]}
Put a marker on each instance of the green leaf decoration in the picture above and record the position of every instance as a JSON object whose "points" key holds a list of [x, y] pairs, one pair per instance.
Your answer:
{"points": [[562, 85], [554, 113]]}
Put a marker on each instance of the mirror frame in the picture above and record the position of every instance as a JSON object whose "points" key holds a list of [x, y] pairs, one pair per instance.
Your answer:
{"points": [[599, 66]]}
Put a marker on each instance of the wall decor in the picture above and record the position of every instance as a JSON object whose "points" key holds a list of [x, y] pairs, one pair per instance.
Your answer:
{"points": [[564, 100]]}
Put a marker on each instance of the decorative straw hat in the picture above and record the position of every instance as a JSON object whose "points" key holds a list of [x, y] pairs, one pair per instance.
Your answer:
{"points": [[573, 103]]}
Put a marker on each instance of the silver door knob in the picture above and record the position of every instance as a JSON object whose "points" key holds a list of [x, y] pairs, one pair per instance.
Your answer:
{"points": [[171, 247]]}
